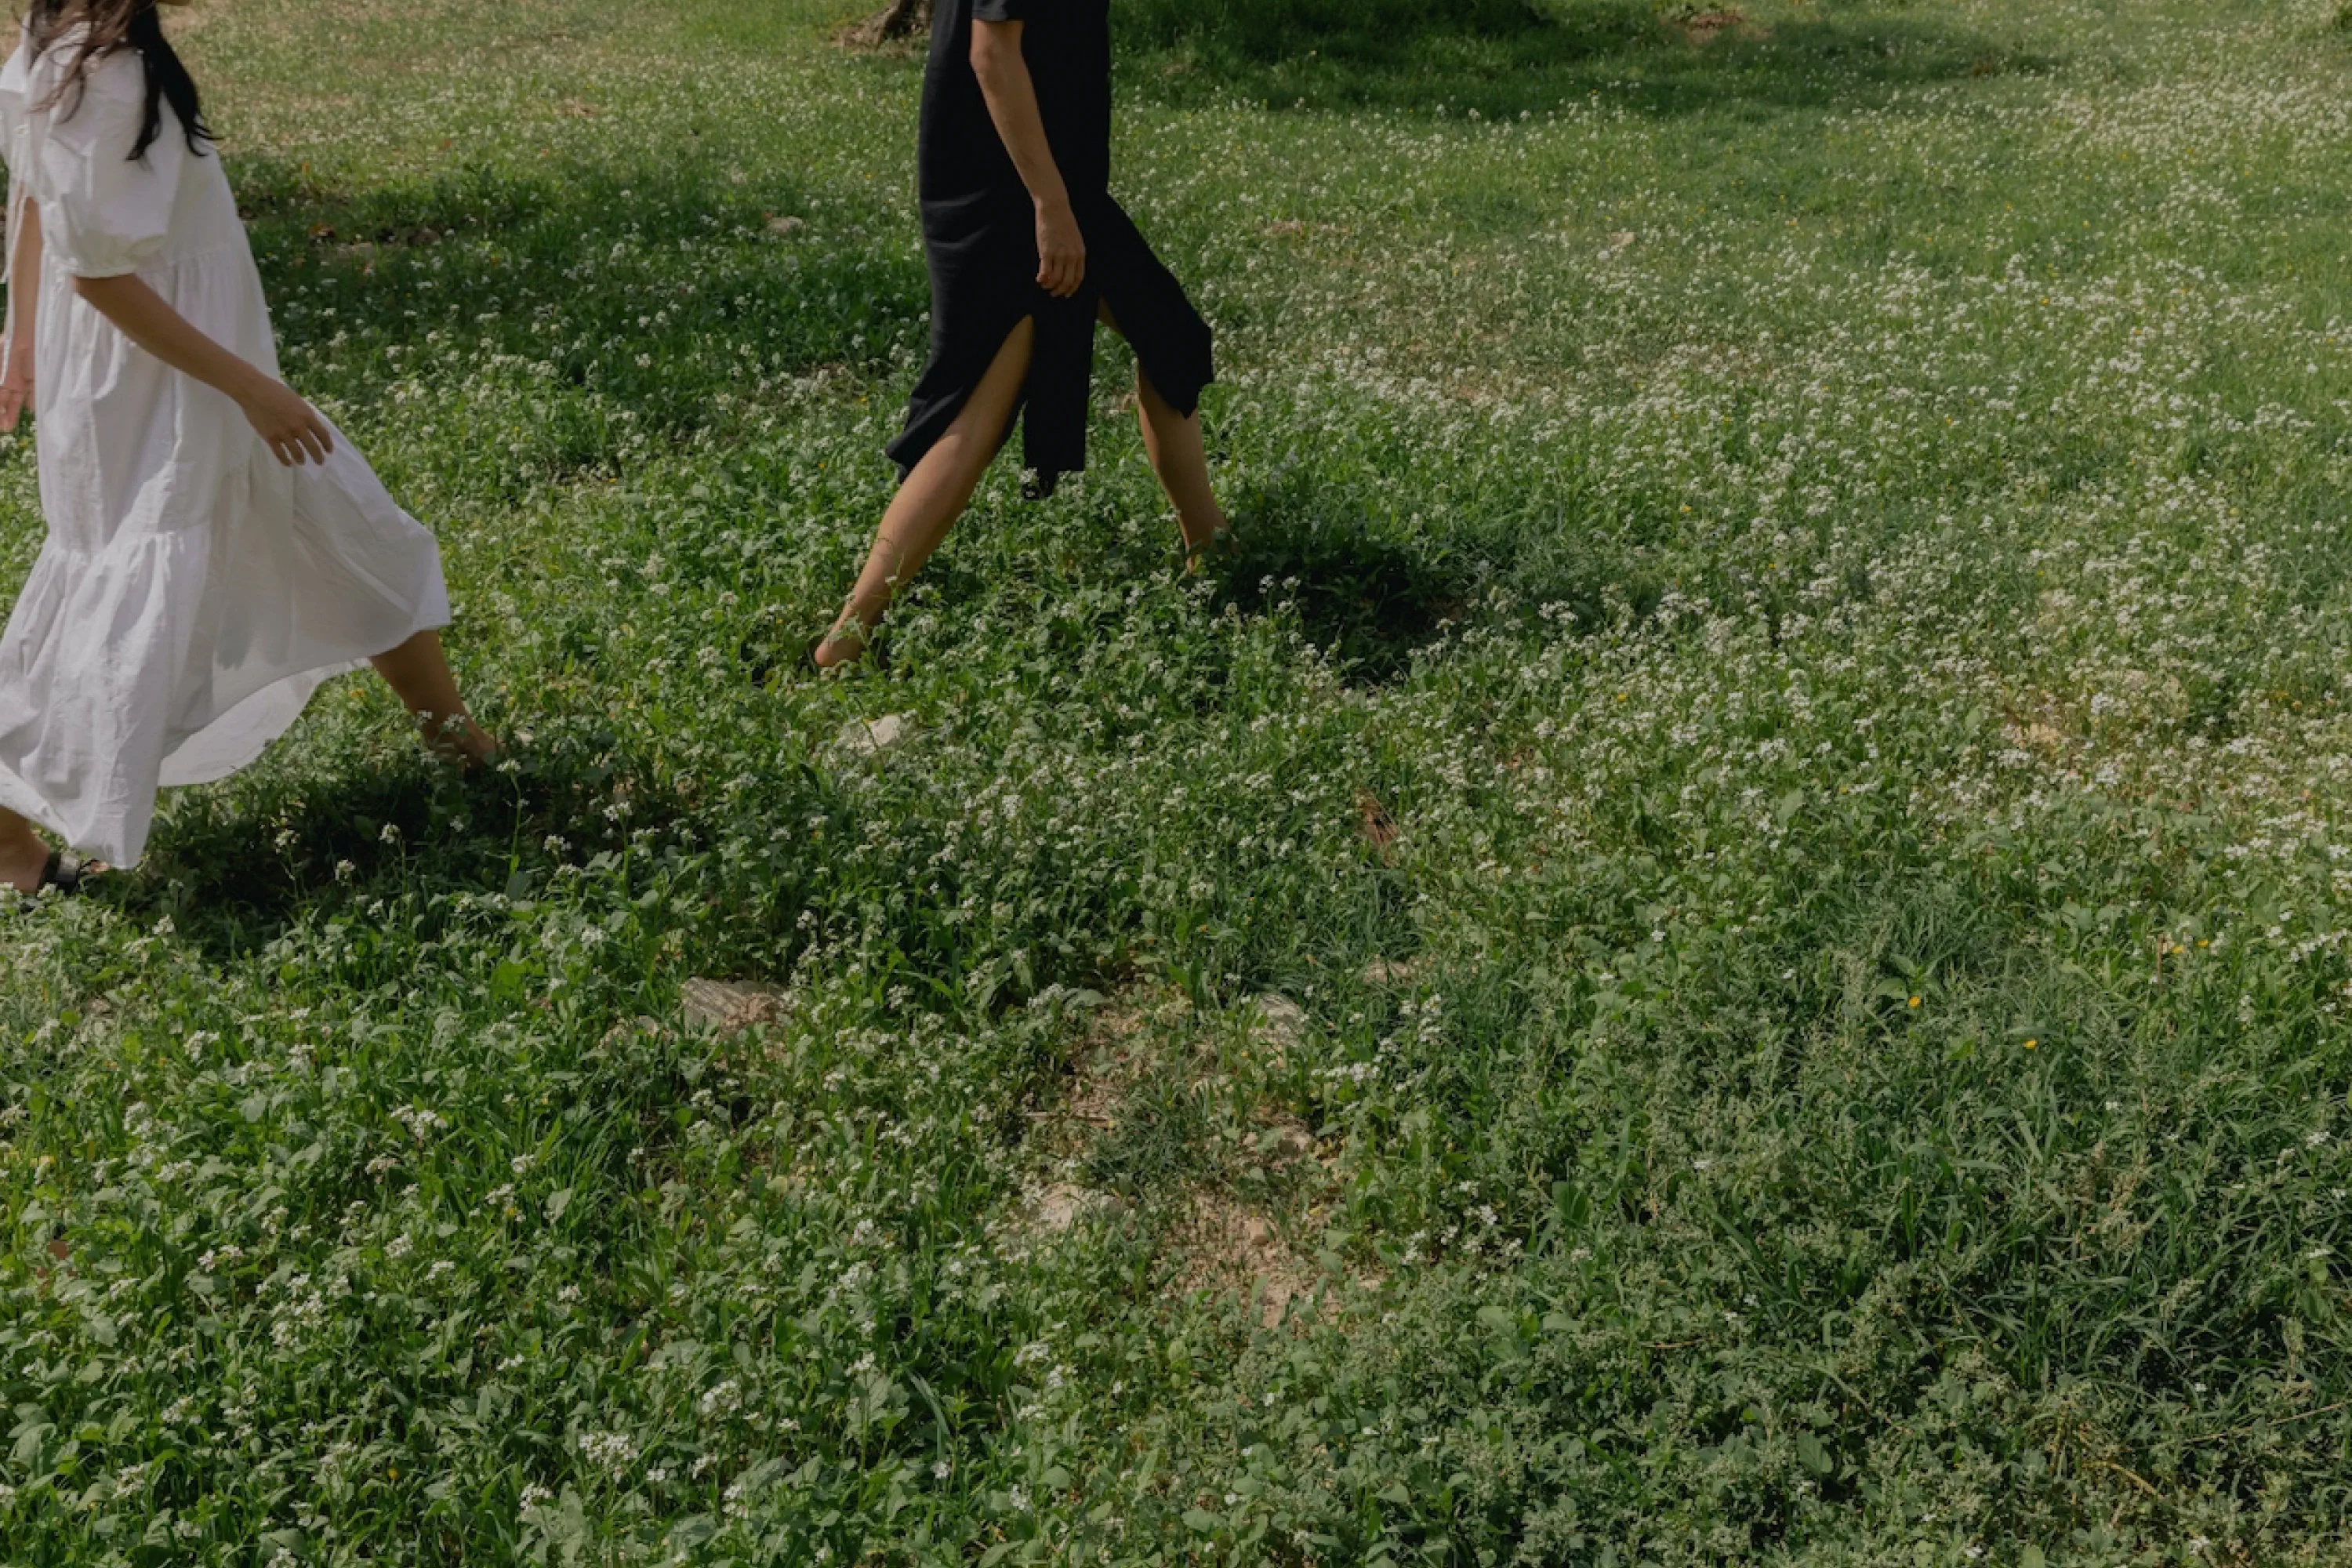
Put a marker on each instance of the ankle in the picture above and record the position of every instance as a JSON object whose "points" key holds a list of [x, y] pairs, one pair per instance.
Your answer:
{"points": [[476, 749], [24, 856], [456, 739]]}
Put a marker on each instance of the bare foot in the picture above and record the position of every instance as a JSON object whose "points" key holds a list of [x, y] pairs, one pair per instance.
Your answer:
{"points": [[843, 646], [1197, 552], [476, 750], [465, 745]]}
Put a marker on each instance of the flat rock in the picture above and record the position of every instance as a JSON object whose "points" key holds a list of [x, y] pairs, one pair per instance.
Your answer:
{"points": [[1287, 1141], [730, 1006], [872, 737], [1281, 1024], [619, 1033], [1060, 1207]]}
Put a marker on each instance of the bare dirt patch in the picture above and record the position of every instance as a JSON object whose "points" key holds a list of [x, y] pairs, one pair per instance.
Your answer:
{"points": [[1702, 28], [1224, 1214], [1225, 1246], [1055, 1209]]}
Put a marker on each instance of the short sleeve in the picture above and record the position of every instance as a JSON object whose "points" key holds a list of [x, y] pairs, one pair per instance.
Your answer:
{"points": [[104, 213], [1005, 10], [14, 130], [16, 150]]}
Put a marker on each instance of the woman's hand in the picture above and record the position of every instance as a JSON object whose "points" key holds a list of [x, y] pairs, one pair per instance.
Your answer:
{"points": [[294, 430], [15, 386], [1012, 96], [1061, 250]]}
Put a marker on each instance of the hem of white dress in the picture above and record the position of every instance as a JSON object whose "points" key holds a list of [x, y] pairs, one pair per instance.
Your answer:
{"points": [[270, 713], [22, 798], [256, 721], [239, 736]]}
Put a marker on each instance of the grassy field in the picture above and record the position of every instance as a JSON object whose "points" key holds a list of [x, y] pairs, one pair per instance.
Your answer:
{"points": [[1728, 943]]}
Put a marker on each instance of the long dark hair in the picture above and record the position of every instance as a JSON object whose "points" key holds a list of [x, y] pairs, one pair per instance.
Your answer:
{"points": [[109, 26]]}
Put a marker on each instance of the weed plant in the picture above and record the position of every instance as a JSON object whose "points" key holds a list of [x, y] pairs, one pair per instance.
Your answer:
{"points": [[1779, 737]]}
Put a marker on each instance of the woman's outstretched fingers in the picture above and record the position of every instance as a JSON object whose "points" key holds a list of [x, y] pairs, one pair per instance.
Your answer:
{"points": [[292, 430], [310, 440], [318, 441]]}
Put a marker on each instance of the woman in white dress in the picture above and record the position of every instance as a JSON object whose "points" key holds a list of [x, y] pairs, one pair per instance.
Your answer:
{"points": [[215, 549]]}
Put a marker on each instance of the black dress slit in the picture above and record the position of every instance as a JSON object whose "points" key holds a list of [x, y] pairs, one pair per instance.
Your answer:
{"points": [[980, 238]]}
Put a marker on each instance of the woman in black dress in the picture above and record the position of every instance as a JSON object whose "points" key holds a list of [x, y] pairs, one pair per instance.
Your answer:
{"points": [[1027, 251]]}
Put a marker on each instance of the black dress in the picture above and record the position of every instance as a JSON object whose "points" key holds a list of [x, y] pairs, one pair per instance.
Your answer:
{"points": [[979, 235]]}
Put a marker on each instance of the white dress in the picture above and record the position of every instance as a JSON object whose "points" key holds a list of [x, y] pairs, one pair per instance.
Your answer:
{"points": [[193, 592]]}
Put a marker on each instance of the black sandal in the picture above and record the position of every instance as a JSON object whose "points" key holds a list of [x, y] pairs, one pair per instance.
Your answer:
{"points": [[63, 872]]}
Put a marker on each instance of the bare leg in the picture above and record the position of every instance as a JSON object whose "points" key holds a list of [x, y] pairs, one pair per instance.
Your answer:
{"points": [[934, 496], [1172, 442], [418, 673], [23, 853]]}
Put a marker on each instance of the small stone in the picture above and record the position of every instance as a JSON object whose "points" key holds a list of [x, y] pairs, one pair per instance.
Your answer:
{"points": [[1281, 1024], [1391, 972], [1060, 1207], [1291, 1142], [787, 225], [872, 737], [730, 1006], [641, 1025]]}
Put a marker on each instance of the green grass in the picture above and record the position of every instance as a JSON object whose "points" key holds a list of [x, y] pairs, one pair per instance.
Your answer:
{"points": [[1782, 726]]}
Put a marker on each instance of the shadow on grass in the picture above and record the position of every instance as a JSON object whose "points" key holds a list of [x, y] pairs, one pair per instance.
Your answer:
{"points": [[574, 318], [1508, 57], [1367, 601], [236, 869]]}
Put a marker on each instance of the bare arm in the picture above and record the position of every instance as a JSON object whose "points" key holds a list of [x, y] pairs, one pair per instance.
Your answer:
{"points": [[1011, 99], [24, 298], [292, 428]]}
